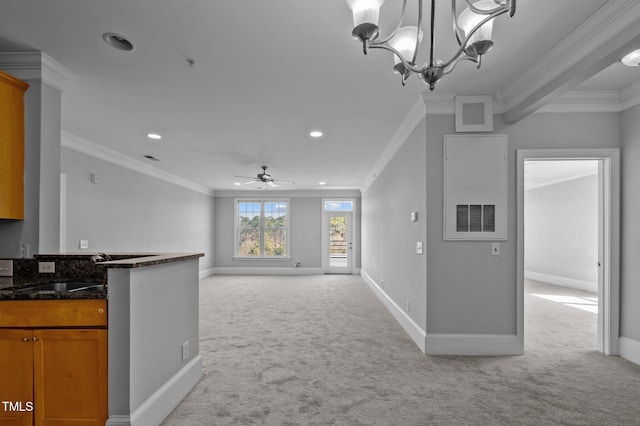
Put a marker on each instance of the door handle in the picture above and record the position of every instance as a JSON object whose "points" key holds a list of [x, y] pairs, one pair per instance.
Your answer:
{"points": [[599, 264]]}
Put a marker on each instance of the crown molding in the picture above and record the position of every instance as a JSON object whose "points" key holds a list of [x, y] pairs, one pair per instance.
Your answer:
{"points": [[439, 103], [630, 96], [101, 152], [35, 66], [584, 52], [584, 101], [413, 118]]}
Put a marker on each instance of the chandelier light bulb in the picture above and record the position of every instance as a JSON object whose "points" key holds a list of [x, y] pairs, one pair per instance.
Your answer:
{"points": [[365, 11], [405, 42], [480, 42]]}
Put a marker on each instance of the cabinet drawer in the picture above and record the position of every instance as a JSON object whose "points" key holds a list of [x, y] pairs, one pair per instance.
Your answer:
{"points": [[53, 313]]}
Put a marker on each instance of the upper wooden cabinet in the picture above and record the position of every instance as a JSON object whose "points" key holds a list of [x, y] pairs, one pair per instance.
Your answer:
{"points": [[11, 147]]}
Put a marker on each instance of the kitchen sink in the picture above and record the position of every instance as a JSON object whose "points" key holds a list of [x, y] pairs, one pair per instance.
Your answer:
{"points": [[67, 286]]}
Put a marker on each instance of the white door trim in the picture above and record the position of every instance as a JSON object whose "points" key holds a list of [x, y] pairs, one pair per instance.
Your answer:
{"points": [[610, 179]]}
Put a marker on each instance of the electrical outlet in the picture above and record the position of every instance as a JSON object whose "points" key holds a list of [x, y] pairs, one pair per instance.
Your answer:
{"points": [[6, 268], [408, 306], [185, 350], [84, 244], [382, 283], [46, 267]]}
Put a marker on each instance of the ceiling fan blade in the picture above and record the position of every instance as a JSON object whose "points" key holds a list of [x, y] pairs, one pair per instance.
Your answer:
{"points": [[246, 177], [250, 182], [286, 181], [272, 184]]}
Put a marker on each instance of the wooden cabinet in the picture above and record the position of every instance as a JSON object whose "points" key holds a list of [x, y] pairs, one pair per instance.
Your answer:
{"points": [[54, 376], [11, 147]]}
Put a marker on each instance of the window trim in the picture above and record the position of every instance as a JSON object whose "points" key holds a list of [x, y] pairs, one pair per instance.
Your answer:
{"points": [[236, 227]]}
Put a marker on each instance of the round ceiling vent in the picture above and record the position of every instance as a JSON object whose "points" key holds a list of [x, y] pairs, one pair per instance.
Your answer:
{"points": [[117, 42]]}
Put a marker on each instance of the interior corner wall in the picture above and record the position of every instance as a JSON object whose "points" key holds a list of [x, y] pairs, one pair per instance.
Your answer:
{"points": [[389, 237], [128, 211], [561, 233], [469, 291], [630, 228]]}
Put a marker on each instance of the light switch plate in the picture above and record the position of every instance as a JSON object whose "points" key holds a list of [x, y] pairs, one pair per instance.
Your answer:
{"points": [[495, 249], [419, 247]]}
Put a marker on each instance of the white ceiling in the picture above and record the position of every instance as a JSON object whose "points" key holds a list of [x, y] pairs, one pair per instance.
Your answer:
{"points": [[268, 72]]}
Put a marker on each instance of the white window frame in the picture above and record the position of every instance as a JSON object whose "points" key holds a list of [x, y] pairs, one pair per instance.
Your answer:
{"points": [[236, 228]]}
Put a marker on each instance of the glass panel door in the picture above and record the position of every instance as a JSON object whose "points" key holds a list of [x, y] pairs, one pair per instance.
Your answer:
{"points": [[339, 246]]}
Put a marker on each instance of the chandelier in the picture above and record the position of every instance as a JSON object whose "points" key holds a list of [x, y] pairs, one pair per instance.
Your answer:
{"points": [[472, 30]]}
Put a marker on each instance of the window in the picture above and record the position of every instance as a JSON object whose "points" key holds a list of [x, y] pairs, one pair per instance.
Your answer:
{"points": [[338, 205], [262, 228]]}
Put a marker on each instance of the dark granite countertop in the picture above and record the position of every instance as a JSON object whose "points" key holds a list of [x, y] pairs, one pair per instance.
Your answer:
{"points": [[124, 260], [148, 260], [78, 267]]}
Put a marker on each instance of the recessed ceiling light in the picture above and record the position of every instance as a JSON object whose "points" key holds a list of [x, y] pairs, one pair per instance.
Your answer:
{"points": [[154, 136], [322, 183], [632, 59], [237, 183], [316, 134], [117, 42]]}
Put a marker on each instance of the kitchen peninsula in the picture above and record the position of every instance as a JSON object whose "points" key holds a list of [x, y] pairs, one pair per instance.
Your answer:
{"points": [[152, 323]]}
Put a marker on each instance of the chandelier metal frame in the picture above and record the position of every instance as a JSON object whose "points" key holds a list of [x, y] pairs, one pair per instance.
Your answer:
{"points": [[433, 70]]}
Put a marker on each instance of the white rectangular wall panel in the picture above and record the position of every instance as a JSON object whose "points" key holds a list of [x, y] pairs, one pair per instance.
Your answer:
{"points": [[475, 187]]}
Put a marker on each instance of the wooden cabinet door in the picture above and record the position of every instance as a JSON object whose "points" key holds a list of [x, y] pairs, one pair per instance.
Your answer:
{"points": [[16, 373], [11, 147], [70, 377]]}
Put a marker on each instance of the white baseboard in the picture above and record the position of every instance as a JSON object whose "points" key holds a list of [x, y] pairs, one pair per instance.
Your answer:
{"points": [[473, 344], [159, 405], [590, 286], [206, 273], [408, 324], [267, 271], [629, 349]]}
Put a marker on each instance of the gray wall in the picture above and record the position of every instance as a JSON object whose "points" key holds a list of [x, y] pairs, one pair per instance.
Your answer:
{"points": [[131, 211], [561, 232], [389, 237], [630, 226], [40, 227], [468, 290], [305, 227]]}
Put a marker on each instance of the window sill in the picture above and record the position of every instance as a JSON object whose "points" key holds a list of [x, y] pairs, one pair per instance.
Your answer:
{"points": [[262, 258]]}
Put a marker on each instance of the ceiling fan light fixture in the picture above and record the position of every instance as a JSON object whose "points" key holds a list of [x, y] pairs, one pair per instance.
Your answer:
{"points": [[118, 42], [632, 59]]}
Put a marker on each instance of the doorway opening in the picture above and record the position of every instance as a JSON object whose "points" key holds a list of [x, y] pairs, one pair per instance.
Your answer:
{"points": [[588, 260], [562, 251], [337, 236]]}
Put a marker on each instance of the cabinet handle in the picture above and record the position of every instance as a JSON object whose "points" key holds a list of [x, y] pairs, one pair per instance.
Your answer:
{"points": [[100, 311], [35, 338], [26, 339]]}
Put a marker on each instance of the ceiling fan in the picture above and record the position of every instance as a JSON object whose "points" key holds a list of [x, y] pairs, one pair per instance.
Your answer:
{"points": [[264, 177]]}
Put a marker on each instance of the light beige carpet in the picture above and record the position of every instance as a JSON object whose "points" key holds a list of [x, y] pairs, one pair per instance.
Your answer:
{"points": [[322, 350]]}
